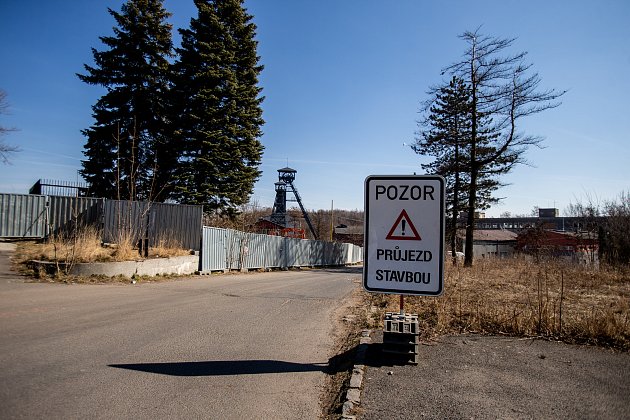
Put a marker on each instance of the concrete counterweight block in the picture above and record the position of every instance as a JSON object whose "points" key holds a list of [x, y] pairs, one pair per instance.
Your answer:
{"points": [[401, 337]]}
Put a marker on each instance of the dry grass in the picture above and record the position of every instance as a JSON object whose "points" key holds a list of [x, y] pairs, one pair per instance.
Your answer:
{"points": [[522, 298], [86, 247], [167, 247], [124, 249]]}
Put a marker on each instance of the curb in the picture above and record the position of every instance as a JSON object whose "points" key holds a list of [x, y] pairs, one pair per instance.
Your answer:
{"points": [[353, 394]]}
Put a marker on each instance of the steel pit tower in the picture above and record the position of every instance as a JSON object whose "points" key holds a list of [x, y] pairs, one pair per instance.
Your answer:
{"points": [[286, 176]]}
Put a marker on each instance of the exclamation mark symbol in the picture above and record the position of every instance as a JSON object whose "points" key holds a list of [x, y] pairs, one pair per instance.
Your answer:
{"points": [[404, 223]]}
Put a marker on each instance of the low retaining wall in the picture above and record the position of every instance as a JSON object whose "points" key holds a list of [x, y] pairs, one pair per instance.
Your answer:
{"points": [[188, 264]]}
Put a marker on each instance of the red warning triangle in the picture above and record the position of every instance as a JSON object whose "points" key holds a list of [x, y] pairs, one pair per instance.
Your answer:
{"points": [[402, 224]]}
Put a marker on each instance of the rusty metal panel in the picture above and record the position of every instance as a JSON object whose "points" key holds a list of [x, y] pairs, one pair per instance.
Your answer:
{"points": [[22, 216]]}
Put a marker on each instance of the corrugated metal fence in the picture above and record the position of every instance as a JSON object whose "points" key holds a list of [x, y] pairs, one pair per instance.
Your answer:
{"points": [[226, 249], [171, 224], [22, 216], [37, 216], [66, 214]]}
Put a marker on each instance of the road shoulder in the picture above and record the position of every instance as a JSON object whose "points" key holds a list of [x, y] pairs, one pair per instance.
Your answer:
{"points": [[469, 376]]}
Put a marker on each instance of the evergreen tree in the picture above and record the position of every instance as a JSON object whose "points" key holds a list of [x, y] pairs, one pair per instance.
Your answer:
{"points": [[127, 152], [219, 115], [445, 135]]}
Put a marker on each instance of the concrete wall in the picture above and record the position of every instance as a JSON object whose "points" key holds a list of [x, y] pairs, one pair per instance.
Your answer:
{"points": [[188, 264]]}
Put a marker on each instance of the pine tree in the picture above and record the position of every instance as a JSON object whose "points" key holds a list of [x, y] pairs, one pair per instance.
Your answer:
{"points": [[445, 135], [127, 152], [218, 107]]}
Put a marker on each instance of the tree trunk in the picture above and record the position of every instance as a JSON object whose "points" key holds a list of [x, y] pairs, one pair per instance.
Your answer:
{"points": [[470, 220], [455, 208], [454, 236], [474, 168]]}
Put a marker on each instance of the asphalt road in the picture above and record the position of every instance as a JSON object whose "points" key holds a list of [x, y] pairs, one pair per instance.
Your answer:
{"points": [[230, 346]]}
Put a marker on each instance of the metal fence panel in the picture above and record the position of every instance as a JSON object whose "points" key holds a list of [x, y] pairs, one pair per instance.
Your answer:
{"points": [[334, 254], [292, 252], [358, 253], [179, 222], [317, 255], [213, 254], [337, 255], [226, 249], [223, 249], [235, 243], [124, 221], [22, 216], [30, 215], [329, 252], [170, 224], [305, 247], [275, 254], [68, 213], [255, 251]]}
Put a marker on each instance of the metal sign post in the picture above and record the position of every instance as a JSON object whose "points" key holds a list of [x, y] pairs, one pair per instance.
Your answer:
{"points": [[404, 235]]}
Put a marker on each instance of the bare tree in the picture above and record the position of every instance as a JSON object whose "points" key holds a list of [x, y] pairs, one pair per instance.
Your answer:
{"points": [[503, 90], [615, 235], [610, 221], [5, 148]]}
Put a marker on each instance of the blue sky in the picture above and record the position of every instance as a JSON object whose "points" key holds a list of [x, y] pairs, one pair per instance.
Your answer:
{"points": [[343, 82]]}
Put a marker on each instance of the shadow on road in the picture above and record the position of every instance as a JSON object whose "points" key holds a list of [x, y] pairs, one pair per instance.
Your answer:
{"points": [[341, 362], [240, 367], [223, 367], [375, 357]]}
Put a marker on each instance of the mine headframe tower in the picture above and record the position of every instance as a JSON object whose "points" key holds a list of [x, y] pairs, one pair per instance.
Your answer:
{"points": [[285, 184]]}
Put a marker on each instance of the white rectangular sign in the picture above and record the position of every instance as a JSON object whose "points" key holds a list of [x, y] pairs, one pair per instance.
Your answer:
{"points": [[404, 234]]}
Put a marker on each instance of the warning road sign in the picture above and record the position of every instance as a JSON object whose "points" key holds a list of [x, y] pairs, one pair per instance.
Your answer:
{"points": [[404, 234], [399, 229]]}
